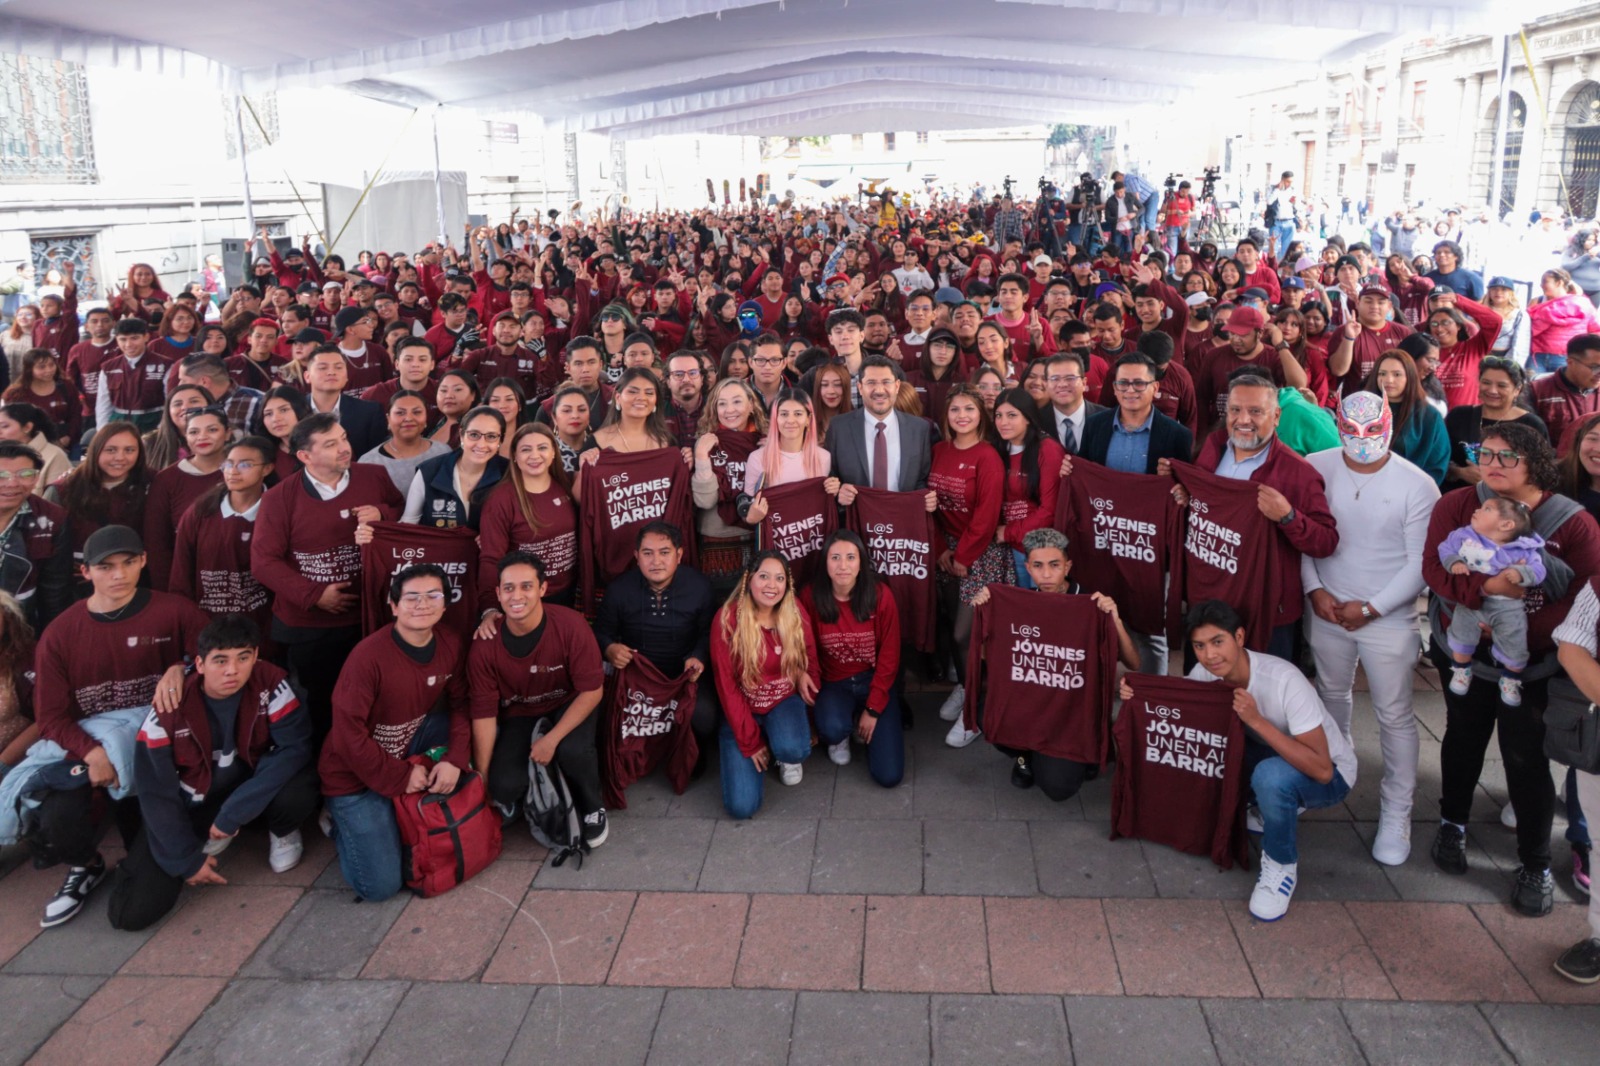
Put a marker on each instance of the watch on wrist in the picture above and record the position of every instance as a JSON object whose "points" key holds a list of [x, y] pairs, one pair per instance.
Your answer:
{"points": [[1286, 519], [1367, 612]]}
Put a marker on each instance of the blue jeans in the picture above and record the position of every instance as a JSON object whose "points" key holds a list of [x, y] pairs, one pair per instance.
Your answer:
{"points": [[1548, 362], [787, 731], [835, 712], [1023, 580], [1280, 792], [364, 830], [1282, 236], [1169, 241], [1577, 824]]}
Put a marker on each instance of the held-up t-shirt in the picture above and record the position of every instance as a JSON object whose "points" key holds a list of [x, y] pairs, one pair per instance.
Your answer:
{"points": [[898, 531], [622, 493], [800, 515], [647, 725], [1229, 551], [1122, 529]]}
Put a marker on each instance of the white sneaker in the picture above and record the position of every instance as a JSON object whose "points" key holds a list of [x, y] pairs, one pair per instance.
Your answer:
{"points": [[216, 845], [840, 752], [1460, 679], [789, 772], [1252, 820], [325, 823], [1274, 889], [1510, 691], [284, 852], [960, 736], [1392, 845], [1508, 817], [953, 704]]}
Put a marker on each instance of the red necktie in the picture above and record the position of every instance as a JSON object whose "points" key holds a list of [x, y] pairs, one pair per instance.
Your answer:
{"points": [[880, 459]]}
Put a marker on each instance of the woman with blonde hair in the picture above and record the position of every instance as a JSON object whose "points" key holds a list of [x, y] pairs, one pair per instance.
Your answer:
{"points": [[764, 658], [731, 427]]}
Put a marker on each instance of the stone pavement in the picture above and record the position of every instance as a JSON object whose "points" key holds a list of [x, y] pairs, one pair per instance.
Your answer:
{"points": [[954, 919]]}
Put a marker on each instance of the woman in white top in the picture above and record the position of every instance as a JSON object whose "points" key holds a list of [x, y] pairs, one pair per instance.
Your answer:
{"points": [[1363, 598], [790, 453]]}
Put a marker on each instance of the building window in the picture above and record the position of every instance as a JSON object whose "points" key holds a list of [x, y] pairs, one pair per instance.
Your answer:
{"points": [[1347, 113], [1419, 104], [1580, 164], [888, 142], [44, 123], [260, 117], [922, 136], [49, 253], [1372, 184], [1405, 189], [1341, 179], [858, 141]]}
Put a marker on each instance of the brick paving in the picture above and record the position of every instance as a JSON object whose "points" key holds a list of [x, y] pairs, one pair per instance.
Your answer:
{"points": [[954, 919]]}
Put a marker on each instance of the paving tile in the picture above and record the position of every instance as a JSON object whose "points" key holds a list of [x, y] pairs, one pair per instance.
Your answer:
{"points": [[1077, 859], [664, 854], [803, 942], [1179, 875], [130, 1021], [760, 855], [1248, 1031], [1336, 863], [577, 1026], [245, 861], [35, 1006], [650, 797], [1119, 1031], [214, 930], [1543, 1033], [1533, 946], [702, 799], [877, 1027], [451, 937], [978, 859], [269, 1023], [561, 938], [1030, 804], [1420, 880], [1095, 798], [23, 893], [327, 934], [518, 845], [1423, 1034], [1315, 953], [445, 1024], [729, 1026], [857, 795], [1015, 1030], [953, 783], [865, 857], [1051, 947], [658, 948], [811, 798], [1438, 951], [85, 945], [925, 944], [1177, 947]]}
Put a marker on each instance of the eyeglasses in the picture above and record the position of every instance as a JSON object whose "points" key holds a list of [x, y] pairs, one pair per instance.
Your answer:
{"points": [[1131, 385], [681, 375], [1481, 456], [1590, 368], [244, 466], [418, 599], [27, 477], [1064, 379], [477, 435], [766, 361]]}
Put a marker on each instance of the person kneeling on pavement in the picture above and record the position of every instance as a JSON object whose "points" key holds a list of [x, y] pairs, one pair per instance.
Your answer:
{"points": [[542, 663], [399, 726], [1295, 755], [237, 750]]}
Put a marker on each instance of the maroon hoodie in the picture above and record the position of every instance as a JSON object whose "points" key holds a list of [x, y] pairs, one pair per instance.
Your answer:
{"points": [[1180, 768], [647, 725]]}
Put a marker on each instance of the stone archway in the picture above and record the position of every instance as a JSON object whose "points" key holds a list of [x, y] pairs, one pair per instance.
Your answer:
{"points": [[1580, 152]]}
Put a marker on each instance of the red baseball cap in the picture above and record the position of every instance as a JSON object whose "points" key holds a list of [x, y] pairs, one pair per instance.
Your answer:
{"points": [[1245, 319]]}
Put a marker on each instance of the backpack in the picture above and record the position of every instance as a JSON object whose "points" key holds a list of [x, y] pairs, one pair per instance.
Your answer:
{"points": [[445, 840], [552, 819]]}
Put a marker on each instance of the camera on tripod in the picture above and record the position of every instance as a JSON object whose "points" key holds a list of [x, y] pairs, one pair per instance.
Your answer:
{"points": [[1208, 188], [1088, 190], [1007, 182], [1171, 183]]}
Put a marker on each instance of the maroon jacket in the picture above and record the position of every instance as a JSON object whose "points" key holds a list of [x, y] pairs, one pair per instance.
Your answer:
{"points": [[60, 333], [1311, 531]]}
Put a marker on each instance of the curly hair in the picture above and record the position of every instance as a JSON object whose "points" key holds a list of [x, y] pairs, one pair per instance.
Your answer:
{"points": [[1543, 471]]}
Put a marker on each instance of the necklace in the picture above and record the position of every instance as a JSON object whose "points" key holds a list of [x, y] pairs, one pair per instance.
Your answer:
{"points": [[1360, 486]]}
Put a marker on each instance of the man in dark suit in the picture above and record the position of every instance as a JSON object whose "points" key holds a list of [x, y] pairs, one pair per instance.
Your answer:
{"points": [[877, 446], [1066, 376], [326, 375], [1135, 438]]}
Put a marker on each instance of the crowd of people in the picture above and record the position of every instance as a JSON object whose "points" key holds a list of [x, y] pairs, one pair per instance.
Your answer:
{"points": [[792, 458]]}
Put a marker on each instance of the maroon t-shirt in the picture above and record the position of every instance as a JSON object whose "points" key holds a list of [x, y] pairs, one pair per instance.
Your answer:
{"points": [[396, 545], [898, 531], [502, 528], [729, 458], [1229, 551], [647, 725], [1180, 768], [1045, 665], [800, 515], [622, 493], [1122, 529], [564, 663]]}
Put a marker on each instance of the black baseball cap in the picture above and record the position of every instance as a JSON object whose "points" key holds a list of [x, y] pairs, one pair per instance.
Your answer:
{"points": [[107, 541]]}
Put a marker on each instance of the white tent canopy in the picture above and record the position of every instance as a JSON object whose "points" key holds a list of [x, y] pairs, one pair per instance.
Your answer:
{"points": [[796, 67]]}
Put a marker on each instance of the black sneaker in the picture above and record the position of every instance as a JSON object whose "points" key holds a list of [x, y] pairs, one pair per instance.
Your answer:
{"points": [[1450, 849], [1021, 772], [595, 828], [1533, 893], [66, 903], [1581, 962]]}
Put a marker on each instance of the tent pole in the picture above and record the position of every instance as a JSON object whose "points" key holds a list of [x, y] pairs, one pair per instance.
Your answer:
{"points": [[438, 186], [244, 165], [1497, 165]]}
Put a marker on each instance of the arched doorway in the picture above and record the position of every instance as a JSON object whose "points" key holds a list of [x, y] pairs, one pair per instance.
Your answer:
{"points": [[1516, 123], [1580, 160]]}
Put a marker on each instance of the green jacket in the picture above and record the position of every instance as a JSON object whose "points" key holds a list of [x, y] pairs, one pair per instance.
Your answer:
{"points": [[1303, 426]]}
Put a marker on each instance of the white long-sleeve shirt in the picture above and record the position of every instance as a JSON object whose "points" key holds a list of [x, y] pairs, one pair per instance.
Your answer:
{"points": [[1382, 535]]}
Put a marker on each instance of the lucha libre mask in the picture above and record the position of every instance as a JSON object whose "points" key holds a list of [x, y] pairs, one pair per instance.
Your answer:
{"points": [[1365, 426]]}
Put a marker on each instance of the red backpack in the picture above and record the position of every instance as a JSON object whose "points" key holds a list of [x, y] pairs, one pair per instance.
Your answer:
{"points": [[444, 840]]}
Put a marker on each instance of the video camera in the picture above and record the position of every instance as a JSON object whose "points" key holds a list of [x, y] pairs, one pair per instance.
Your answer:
{"points": [[1007, 182], [1209, 187], [1088, 190], [1171, 183]]}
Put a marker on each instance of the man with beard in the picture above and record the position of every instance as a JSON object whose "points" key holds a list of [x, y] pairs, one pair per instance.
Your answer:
{"points": [[686, 390]]}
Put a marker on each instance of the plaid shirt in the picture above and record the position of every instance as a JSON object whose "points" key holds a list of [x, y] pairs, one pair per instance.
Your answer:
{"points": [[685, 424], [242, 406]]}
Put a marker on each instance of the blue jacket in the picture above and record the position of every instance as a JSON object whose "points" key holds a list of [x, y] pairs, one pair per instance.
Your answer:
{"points": [[441, 507], [1424, 441]]}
